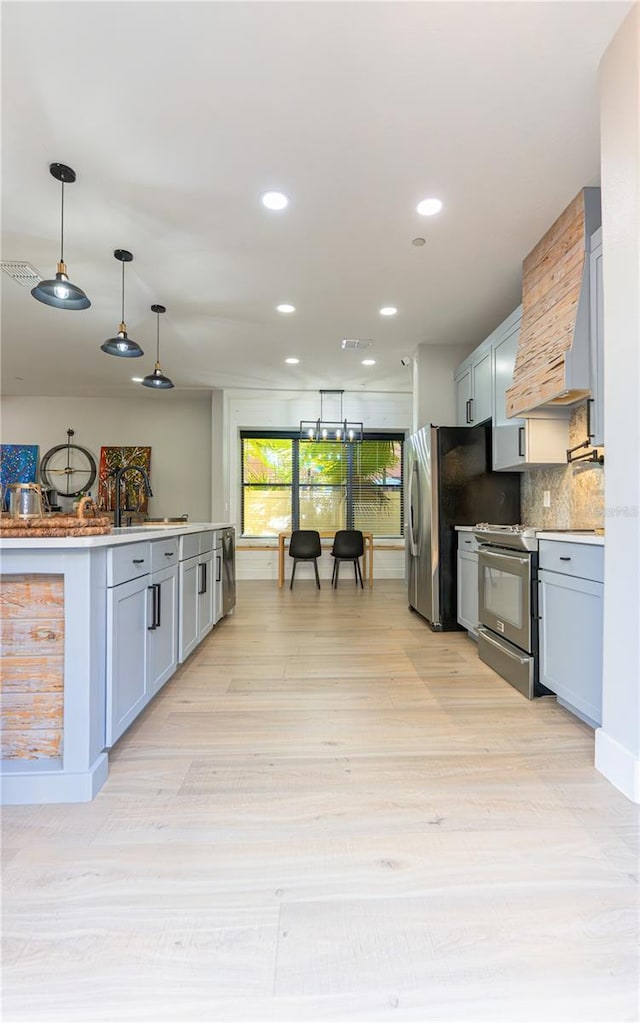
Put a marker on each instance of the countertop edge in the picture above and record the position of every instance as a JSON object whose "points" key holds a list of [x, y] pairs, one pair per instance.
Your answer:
{"points": [[586, 538], [114, 539]]}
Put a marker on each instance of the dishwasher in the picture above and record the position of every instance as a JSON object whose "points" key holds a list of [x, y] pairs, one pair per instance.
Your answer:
{"points": [[228, 569]]}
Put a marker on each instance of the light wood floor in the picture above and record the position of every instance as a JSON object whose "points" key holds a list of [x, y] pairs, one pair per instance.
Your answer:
{"points": [[330, 813]]}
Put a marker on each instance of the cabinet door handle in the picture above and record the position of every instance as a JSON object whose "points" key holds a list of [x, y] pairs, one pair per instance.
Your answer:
{"points": [[218, 568], [521, 441], [158, 603], [468, 541], [470, 410], [203, 578], [168, 554], [151, 627], [565, 559], [138, 561], [466, 410]]}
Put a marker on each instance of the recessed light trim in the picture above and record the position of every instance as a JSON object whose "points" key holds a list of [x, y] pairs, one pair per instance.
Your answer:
{"points": [[429, 207], [275, 200], [388, 310], [285, 307], [292, 361], [368, 362]]}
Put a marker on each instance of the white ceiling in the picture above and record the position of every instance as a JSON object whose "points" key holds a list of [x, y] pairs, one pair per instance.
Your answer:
{"points": [[178, 116]]}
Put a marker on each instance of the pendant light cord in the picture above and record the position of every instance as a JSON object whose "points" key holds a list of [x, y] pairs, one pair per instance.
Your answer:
{"points": [[122, 317], [157, 337], [62, 226]]}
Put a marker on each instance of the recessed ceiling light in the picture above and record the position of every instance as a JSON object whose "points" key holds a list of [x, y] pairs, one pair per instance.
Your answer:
{"points": [[418, 242], [137, 380], [292, 362], [286, 308], [429, 207], [388, 310], [368, 362], [275, 200]]}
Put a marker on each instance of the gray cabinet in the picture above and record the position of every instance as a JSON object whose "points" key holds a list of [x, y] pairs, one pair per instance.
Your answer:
{"points": [[189, 584], [468, 582], [142, 629], [163, 628], [128, 574], [473, 387], [197, 590], [596, 340], [571, 611], [521, 444]]}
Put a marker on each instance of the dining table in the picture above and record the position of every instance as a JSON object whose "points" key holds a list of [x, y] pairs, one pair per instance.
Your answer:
{"points": [[325, 534]]}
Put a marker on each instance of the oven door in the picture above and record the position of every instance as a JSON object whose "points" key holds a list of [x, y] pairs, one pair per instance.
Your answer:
{"points": [[504, 594]]}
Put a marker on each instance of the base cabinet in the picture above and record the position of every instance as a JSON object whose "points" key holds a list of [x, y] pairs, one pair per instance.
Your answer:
{"points": [[197, 591], [468, 582], [571, 626], [163, 629], [127, 654], [206, 594], [189, 576]]}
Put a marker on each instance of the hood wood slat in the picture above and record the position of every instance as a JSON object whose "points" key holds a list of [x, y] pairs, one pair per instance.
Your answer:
{"points": [[552, 364]]}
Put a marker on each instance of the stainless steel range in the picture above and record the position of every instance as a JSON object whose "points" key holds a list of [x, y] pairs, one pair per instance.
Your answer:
{"points": [[508, 604]]}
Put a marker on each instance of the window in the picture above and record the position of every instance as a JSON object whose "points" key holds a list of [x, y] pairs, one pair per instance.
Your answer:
{"points": [[292, 484]]}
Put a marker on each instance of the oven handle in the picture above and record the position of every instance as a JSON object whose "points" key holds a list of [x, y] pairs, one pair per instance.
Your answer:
{"points": [[499, 646], [489, 553]]}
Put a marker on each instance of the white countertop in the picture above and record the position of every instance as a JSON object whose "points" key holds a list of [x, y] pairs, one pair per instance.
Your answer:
{"points": [[117, 537], [574, 537], [465, 529]]}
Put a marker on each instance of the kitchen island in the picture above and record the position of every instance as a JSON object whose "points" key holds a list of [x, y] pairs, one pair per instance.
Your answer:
{"points": [[91, 630]]}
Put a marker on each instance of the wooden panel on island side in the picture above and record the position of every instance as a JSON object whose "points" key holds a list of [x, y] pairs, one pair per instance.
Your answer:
{"points": [[32, 680]]}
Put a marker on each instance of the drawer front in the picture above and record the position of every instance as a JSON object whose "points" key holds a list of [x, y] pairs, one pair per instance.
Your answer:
{"points": [[164, 554], [206, 541], [128, 562], [467, 543], [189, 546], [584, 561]]}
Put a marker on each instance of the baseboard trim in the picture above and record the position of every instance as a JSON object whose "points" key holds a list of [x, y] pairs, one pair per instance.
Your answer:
{"points": [[618, 765]]}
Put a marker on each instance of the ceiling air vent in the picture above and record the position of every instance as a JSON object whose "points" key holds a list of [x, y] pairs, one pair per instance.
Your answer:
{"points": [[23, 273], [355, 342]]}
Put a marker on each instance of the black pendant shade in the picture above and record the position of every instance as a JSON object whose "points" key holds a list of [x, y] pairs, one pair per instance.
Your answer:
{"points": [[61, 293], [157, 379], [122, 345]]}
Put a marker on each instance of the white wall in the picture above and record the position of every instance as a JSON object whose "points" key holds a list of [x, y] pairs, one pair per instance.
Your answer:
{"points": [[283, 410], [618, 741], [434, 399], [178, 431]]}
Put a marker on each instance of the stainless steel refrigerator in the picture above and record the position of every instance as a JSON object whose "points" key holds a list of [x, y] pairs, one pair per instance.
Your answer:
{"points": [[449, 483]]}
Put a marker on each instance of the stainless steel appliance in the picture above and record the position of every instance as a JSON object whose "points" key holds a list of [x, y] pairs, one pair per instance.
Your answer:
{"points": [[449, 482], [228, 537], [508, 604]]}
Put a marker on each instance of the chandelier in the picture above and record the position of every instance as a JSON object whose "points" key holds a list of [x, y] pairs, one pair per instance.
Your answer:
{"points": [[337, 429]]}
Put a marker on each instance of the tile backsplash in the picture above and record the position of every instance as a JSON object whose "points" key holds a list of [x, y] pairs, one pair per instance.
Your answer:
{"points": [[577, 490]]}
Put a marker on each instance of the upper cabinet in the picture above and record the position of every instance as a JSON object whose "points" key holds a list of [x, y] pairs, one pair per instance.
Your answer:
{"points": [[597, 341], [473, 387], [521, 444]]}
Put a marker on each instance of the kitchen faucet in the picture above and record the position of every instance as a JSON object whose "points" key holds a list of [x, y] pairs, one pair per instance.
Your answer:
{"points": [[117, 515]]}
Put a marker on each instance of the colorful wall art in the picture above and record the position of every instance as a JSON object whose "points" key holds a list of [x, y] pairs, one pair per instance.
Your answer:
{"points": [[133, 496], [18, 464]]}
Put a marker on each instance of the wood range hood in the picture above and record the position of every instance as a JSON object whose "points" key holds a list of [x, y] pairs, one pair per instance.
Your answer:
{"points": [[552, 365]]}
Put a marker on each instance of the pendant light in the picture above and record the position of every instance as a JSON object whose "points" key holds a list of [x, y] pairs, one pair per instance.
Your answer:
{"points": [[157, 379], [61, 293], [122, 345]]}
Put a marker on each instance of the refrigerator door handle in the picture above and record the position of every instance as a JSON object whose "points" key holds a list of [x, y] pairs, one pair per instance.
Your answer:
{"points": [[414, 513]]}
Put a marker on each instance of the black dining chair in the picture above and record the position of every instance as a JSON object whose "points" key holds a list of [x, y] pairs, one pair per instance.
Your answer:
{"points": [[348, 545], [305, 546]]}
